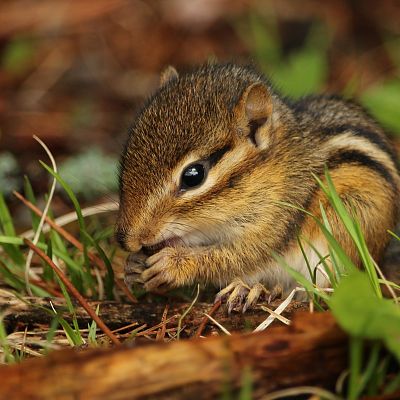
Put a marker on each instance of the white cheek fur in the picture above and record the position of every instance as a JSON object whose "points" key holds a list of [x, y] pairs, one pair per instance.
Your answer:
{"points": [[190, 235]]}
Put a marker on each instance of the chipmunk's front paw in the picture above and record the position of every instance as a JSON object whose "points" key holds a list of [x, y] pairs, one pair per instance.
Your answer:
{"points": [[165, 269], [240, 296], [134, 266]]}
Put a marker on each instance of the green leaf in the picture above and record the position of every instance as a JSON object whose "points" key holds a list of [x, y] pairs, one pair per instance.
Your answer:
{"points": [[361, 313], [73, 266]]}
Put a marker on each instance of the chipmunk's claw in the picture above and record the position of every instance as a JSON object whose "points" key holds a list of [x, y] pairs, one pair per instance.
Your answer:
{"points": [[275, 293], [239, 296], [254, 295], [134, 266]]}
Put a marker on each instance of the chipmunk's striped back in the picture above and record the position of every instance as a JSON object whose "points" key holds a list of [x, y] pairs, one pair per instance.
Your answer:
{"points": [[363, 166], [349, 135]]}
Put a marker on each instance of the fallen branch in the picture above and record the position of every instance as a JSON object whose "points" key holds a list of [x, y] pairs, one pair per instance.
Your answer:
{"points": [[312, 351]]}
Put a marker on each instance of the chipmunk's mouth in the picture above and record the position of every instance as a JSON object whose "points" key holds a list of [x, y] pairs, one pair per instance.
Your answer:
{"points": [[155, 248]]}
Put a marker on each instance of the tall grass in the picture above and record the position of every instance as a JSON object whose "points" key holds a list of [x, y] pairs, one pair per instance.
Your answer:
{"points": [[75, 262]]}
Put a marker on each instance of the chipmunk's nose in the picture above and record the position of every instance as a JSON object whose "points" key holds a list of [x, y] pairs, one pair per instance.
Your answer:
{"points": [[128, 242]]}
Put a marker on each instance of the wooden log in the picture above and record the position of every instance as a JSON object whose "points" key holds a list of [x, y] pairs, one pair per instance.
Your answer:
{"points": [[312, 351]]}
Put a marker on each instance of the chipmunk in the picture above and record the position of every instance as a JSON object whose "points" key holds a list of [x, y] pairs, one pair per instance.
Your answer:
{"points": [[208, 164]]}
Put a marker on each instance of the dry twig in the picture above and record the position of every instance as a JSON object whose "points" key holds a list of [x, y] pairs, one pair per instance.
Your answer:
{"points": [[162, 330], [203, 324]]}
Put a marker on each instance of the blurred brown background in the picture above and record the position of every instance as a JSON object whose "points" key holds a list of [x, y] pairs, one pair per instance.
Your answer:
{"points": [[74, 72]]}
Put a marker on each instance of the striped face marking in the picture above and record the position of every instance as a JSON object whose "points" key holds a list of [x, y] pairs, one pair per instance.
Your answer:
{"points": [[194, 176]]}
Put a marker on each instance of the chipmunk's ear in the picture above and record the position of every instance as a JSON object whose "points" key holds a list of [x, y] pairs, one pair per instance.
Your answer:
{"points": [[168, 74], [253, 113]]}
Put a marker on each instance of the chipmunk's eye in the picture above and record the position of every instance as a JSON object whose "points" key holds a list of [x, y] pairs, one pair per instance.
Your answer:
{"points": [[193, 175]]}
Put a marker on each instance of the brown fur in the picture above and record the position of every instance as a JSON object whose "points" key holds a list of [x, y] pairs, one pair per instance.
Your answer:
{"points": [[229, 227]]}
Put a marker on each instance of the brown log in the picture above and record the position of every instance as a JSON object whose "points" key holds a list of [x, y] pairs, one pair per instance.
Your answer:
{"points": [[312, 351]]}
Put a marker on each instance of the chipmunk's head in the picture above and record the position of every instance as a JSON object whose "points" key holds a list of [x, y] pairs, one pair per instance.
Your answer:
{"points": [[183, 173]]}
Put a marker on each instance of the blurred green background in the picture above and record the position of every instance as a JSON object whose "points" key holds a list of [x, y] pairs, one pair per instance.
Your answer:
{"points": [[73, 73]]}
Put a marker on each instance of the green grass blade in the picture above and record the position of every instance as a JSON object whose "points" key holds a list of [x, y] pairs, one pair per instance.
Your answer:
{"points": [[246, 390], [17, 282], [370, 369], [109, 278], [5, 218], [322, 261], [10, 278], [339, 252], [312, 276], [76, 272], [332, 255], [73, 337], [393, 385], [354, 229], [7, 227], [299, 277], [92, 329], [4, 239], [51, 333], [330, 238], [9, 358], [69, 192], [30, 195], [77, 337], [76, 205], [380, 376], [356, 352]]}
